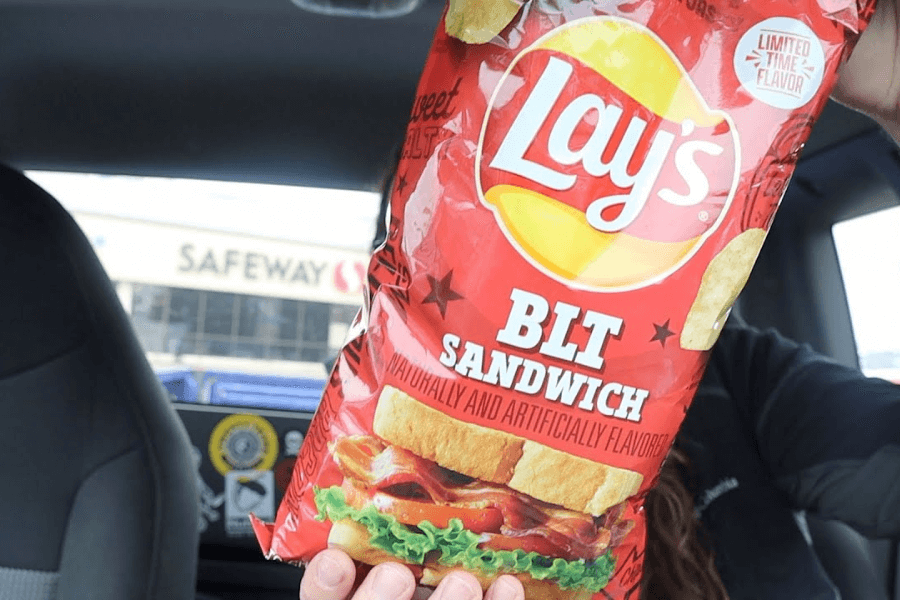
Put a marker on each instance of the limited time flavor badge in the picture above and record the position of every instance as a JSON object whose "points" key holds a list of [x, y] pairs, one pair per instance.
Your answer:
{"points": [[780, 61]]}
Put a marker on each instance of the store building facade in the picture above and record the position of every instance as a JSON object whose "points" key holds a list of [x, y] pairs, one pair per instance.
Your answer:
{"points": [[203, 299]]}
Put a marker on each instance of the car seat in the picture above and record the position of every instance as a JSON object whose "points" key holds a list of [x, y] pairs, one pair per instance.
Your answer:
{"points": [[98, 497], [848, 559]]}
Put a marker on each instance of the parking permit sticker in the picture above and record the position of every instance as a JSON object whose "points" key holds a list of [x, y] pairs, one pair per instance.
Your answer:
{"points": [[780, 61], [248, 492], [242, 443]]}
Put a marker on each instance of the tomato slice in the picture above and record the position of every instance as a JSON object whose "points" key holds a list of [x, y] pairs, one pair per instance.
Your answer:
{"points": [[412, 512], [528, 543]]}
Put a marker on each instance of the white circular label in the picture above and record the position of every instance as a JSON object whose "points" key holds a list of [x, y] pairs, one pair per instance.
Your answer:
{"points": [[780, 61]]}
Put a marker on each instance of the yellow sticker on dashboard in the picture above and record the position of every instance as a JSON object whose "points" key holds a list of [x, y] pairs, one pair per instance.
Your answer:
{"points": [[243, 442]]}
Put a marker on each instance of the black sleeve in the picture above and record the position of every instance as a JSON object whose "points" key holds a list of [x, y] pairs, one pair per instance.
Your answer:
{"points": [[829, 436]]}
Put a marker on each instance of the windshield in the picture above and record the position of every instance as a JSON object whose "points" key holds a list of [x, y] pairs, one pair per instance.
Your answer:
{"points": [[240, 294]]}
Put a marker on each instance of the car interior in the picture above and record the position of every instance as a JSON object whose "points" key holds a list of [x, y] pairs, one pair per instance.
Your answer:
{"points": [[103, 484]]}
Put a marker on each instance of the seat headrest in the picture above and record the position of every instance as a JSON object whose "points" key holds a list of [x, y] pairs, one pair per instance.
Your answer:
{"points": [[43, 315]]}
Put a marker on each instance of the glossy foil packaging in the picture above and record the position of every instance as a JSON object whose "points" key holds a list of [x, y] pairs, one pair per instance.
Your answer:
{"points": [[579, 201]]}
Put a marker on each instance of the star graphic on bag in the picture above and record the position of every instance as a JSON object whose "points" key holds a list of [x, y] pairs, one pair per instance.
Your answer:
{"points": [[662, 333], [441, 292], [401, 183]]}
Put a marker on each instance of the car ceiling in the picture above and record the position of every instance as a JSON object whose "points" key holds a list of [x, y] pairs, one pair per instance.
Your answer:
{"points": [[252, 90]]}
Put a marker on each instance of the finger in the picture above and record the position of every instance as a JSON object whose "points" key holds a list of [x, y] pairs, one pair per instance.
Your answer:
{"points": [[387, 581], [458, 585], [506, 587], [329, 576]]}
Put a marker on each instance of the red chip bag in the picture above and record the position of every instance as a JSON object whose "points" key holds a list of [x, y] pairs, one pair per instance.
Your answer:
{"points": [[579, 201]]}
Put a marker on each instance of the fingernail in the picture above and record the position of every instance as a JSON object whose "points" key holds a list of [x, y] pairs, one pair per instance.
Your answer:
{"points": [[390, 582], [457, 588], [329, 571], [502, 589]]}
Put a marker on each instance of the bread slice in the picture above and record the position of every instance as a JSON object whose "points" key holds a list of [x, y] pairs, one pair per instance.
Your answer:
{"points": [[353, 538], [472, 450], [535, 589], [529, 467], [577, 483]]}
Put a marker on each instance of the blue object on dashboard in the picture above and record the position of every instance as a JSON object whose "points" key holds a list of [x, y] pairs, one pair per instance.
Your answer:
{"points": [[180, 384], [261, 391]]}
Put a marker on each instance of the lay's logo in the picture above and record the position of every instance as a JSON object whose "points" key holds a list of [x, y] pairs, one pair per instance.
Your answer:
{"points": [[600, 159]]}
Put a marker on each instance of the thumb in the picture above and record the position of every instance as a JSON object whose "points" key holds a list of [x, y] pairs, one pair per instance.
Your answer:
{"points": [[329, 576]]}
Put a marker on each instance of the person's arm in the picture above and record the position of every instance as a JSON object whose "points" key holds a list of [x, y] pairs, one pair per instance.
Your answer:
{"points": [[829, 436], [330, 576], [870, 79]]}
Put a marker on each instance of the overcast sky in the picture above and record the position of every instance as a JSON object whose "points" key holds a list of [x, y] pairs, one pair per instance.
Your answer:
{"points": [[341, 218], [868, 247]]}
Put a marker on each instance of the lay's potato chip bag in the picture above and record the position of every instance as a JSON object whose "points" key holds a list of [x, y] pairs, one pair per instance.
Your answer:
{"points": [[583, 190]]}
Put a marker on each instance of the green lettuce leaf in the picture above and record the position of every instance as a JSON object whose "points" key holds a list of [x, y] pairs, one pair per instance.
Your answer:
{"points": [[459, 546]]}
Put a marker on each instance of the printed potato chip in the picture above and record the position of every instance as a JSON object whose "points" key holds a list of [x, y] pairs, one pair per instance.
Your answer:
{"points": [[723, 280], [479, 21]]}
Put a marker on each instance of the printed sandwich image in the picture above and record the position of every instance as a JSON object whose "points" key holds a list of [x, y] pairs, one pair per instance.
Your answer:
{"points": [[441, 494]]}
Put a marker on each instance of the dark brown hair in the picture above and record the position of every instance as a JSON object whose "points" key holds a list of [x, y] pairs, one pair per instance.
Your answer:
{"points": [[677, 564]]}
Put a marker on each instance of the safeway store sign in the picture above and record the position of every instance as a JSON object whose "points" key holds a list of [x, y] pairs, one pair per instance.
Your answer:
{"points": [[158, 254]]}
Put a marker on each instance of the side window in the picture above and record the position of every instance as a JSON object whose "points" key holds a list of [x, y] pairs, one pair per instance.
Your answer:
{"points": [[868, 249], [339, 326], [183, 314], [149, 314], [218, 323], [315, 331]]}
